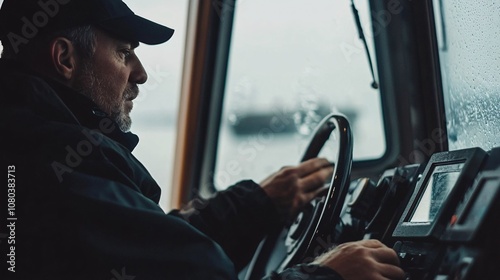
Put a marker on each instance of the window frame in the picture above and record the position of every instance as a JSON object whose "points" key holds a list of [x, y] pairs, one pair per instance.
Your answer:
{"points": [[220, 68], [403, 92]]}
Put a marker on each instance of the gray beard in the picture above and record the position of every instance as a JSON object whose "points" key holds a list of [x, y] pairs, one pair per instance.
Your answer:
{"points": [[90, 85]]}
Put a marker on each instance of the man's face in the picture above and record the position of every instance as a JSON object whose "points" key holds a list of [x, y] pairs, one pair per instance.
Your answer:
{"points": [[111, 76]]}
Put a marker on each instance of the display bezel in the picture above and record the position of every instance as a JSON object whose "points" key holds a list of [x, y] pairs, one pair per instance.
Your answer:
{"points": [[472, 160]]}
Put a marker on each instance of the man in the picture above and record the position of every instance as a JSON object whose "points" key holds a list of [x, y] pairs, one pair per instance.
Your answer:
{"points": [[85, 208]]}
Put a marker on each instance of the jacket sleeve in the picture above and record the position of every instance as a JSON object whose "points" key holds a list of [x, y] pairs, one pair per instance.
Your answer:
{"points": [[305, 271], [123, 229], [237, 219]]}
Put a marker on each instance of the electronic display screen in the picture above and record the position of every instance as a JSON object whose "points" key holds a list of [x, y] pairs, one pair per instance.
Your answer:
{"points": [[437, 193], [440, 183]]}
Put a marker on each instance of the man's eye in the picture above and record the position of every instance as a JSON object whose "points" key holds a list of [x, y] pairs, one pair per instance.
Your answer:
{"points": [[126, 52]]}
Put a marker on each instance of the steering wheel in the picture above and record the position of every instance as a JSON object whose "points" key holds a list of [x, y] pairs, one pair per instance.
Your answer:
{"points": [[312, 230]]}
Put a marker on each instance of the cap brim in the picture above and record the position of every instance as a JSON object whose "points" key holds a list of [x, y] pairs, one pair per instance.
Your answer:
{"points": [[137, 28]]}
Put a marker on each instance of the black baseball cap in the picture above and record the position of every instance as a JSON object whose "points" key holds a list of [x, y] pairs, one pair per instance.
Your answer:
{"points": [[22, 20]]}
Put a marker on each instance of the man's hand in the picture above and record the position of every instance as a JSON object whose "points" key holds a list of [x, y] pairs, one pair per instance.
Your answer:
{"points": [[366, 259], [292, 187]]}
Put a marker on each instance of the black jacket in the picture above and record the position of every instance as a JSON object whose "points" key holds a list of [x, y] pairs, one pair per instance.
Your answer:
{"points": [[85, 208]]}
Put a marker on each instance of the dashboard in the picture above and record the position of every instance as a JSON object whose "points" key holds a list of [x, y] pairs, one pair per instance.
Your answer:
{"points": [[440, 217]]}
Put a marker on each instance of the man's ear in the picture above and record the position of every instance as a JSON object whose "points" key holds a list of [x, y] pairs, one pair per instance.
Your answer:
{"points": [[64, 58]]}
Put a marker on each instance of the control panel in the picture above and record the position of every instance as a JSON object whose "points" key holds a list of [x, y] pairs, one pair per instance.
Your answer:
{"points": [[441, 217], [448, 229]]}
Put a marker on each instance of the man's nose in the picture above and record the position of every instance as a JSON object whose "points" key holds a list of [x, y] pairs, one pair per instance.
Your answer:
{"points": [[138, 75]]}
